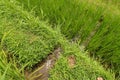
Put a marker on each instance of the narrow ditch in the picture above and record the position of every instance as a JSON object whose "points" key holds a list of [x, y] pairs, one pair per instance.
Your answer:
{"points": [[41, 70], [93, 32]]}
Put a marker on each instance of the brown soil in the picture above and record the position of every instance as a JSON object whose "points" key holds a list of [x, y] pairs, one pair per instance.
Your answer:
{"points": [[71, 61]]}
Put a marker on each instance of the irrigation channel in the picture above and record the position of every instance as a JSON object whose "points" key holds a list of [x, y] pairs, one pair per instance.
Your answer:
{"points": [[41, 69]]}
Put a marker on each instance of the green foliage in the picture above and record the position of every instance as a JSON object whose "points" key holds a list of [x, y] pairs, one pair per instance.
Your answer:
{"points": [[9, 70], [106, 42], [79, 18], [76, 18], [113, 2], [28, 39], [25, 40], [84, 68]]}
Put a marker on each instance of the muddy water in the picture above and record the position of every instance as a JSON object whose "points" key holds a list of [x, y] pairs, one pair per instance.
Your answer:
{"points": [[42, 70]]}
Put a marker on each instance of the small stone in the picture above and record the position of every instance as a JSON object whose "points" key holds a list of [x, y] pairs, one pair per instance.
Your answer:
{"points": [[99, 78]]}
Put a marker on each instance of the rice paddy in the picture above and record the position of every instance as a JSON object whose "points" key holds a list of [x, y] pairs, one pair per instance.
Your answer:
{"points": [[87, 33]]}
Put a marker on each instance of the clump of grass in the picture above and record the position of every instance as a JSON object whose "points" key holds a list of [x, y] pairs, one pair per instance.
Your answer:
{"points": [[9, 70], [84, 68], [29, 40]]}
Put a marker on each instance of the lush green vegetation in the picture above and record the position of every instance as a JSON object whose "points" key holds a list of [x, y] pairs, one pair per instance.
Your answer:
{"points": [[26, 39], [22, 37], [113, 2], [79, 19]]}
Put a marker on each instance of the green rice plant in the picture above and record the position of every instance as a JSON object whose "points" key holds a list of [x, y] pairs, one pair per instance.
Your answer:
{"points": [[75, 18], [105, 43], [9, 70]]}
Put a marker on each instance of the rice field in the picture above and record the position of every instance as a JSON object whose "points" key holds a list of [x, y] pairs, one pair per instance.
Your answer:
{"points": [[87, 32]]}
